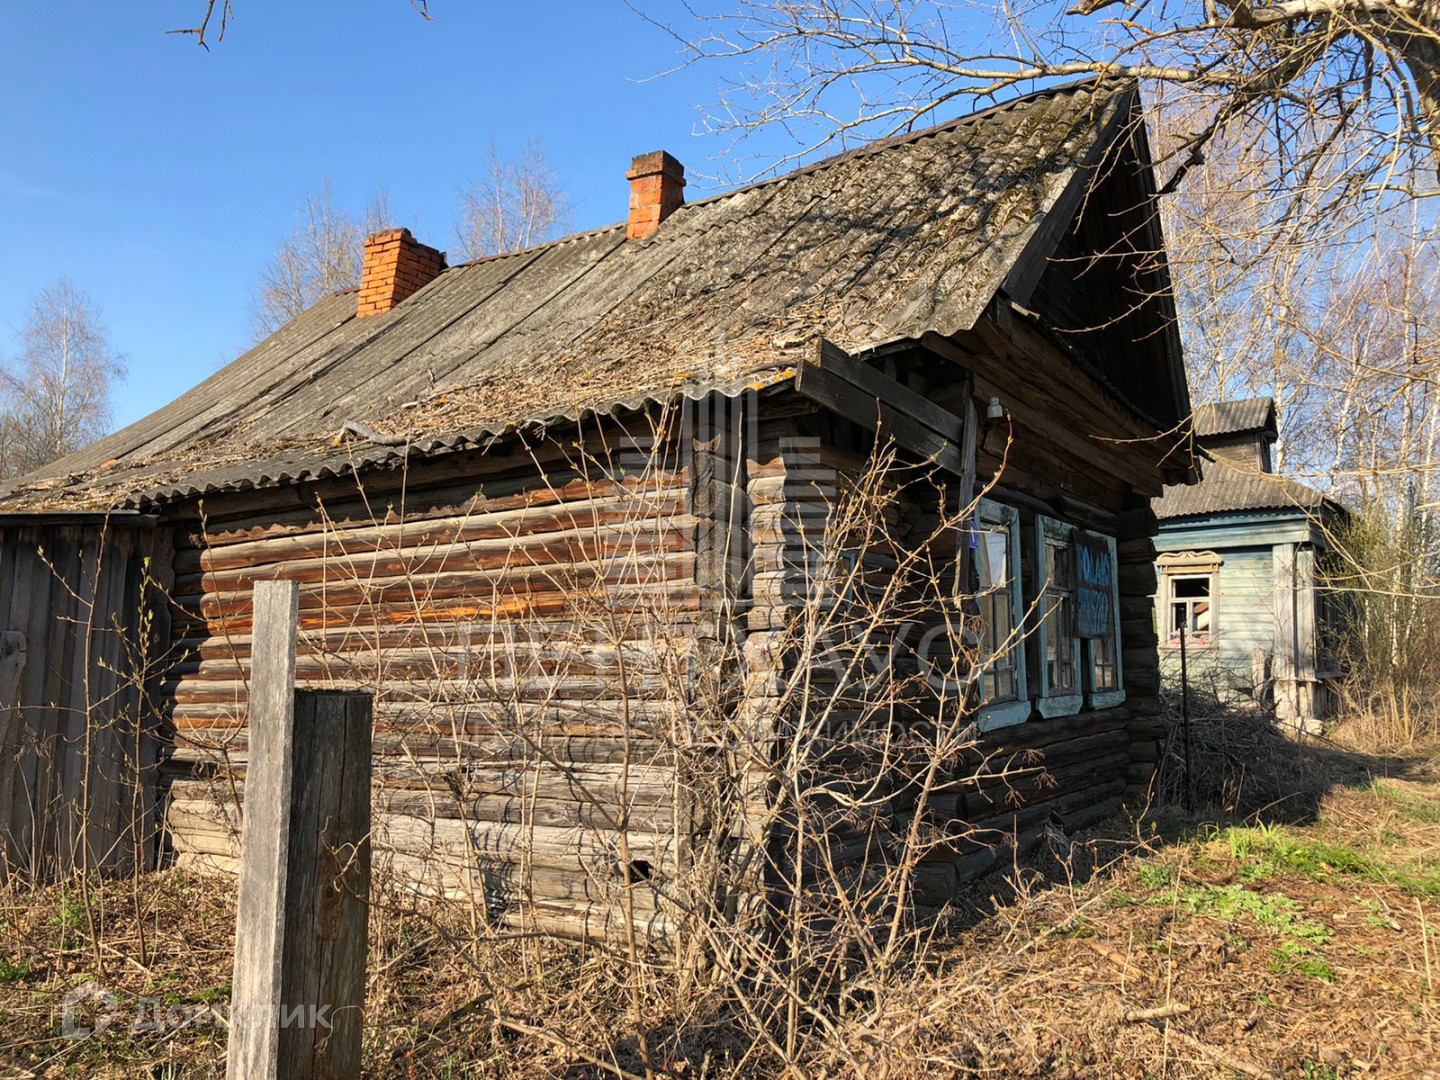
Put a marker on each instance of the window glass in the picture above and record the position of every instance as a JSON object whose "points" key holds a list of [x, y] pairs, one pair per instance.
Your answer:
{"points": [[990, 592], [1104, 675], [1058, 613], [1097, 589], [1191, 614], [994, 559], [997, 617]]}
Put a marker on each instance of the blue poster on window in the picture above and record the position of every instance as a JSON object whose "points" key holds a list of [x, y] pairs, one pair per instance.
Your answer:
{"points": [[1094, 585]]}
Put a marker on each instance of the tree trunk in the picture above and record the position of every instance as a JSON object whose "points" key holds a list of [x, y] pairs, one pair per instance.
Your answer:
{"points": [[1420, 52]]}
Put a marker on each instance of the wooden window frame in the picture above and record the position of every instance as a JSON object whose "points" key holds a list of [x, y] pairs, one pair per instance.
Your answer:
{"points": [[1109, 697], [1048, 532], [1016, 709], [1170, 640], [1186, 564]]}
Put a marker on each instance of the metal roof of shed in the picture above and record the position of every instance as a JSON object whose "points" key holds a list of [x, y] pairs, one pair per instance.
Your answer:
{"points": [[1233, 417], [1225, 489]]}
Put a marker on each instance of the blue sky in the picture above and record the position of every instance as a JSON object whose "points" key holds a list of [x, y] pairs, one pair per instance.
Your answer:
{"points": [[159, 177]]}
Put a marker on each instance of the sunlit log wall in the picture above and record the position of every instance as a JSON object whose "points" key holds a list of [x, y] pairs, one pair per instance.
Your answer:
{"points": [[524, 622], [547, 631]]}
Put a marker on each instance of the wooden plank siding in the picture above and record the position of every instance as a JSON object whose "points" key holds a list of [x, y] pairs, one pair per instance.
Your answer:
{"points": [[1263, 648], [78, 735], [1243, 606]]}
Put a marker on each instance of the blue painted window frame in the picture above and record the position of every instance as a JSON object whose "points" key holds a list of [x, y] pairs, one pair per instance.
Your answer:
{"points": [[1016, 710], [1048, 701], [1109, 698]]}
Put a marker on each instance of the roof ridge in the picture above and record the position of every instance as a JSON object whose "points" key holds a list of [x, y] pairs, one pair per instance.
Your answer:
{"points": [[905, 138], [854, 153], [568, 238]]}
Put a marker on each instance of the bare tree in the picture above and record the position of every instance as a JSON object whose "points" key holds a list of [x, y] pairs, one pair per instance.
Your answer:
{"points": [[1342, 327], [322, 254], [1338, 321], [514, 204], [55, 395], [1351, 86]]}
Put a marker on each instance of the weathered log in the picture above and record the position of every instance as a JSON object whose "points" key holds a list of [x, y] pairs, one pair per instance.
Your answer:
{"points": [[655, 599], [645, 814], [978, 804], [589, 506], [619, 539], [583, 850]]}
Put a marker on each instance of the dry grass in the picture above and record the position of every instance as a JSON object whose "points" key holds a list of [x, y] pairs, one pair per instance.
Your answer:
{"points": [[1307, 950]]}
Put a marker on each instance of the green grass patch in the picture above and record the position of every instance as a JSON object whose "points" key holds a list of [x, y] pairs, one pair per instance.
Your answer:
{"points": [[68, 915], [1298, 957], [15, 971], [1155, 876], [1413, 806], [1269, 850], [1274, 911]]}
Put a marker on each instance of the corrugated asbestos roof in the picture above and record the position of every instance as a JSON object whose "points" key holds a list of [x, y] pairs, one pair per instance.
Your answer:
{"points": [[1232, 417], [1228, 490], [906, 236]]}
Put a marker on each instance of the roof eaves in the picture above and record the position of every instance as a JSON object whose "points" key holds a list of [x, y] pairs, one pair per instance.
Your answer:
{"points": [[326, 466]]}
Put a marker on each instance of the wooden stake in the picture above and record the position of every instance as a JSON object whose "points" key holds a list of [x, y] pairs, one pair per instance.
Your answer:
{"points": [[305, 867], [254, 1047]]}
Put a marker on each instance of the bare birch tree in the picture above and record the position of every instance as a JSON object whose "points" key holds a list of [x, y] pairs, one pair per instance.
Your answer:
{"points": [[513, 204], [322, 254], [55, 394], [1339, 324], [1342, 326]]}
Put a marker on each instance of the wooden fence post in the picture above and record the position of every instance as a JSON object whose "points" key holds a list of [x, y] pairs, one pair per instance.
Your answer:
{"points": [[300, 935]]}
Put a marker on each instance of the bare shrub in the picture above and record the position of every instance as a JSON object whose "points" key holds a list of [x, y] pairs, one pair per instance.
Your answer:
{"points": [[744, 806], [1386, 582]]}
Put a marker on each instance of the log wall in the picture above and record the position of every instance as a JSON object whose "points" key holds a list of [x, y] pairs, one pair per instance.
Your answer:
{"points": [[525, 631], [556, 715], [1058, 452]]}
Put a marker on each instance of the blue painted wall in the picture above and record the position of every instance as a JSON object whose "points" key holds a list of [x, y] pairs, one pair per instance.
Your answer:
{"points": [[1243, 593]]}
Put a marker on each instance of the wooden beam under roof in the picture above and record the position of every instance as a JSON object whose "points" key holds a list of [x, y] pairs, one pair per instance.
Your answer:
{"points": [[874, 400]]}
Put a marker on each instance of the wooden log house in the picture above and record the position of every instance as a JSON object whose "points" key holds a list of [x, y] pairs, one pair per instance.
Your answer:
{"points": [[1242, 568], [560, 508]]}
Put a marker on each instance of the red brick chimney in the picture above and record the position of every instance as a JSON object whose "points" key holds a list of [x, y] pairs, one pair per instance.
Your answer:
{"points": [[657, 190], [395, 265]]}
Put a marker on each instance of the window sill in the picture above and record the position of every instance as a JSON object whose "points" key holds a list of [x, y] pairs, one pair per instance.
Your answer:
{"points": [[1059, 706], [1002, 716], [1107, 699]]}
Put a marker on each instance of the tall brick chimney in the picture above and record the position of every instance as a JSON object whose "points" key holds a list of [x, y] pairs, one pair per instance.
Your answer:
{"points": [[395, 265], [657, 190]]}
